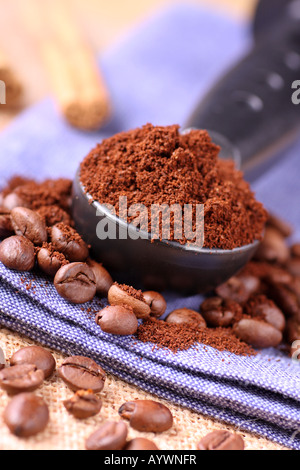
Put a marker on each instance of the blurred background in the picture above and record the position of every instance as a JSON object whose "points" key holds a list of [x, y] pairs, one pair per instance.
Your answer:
{"points": [[24, 25]]}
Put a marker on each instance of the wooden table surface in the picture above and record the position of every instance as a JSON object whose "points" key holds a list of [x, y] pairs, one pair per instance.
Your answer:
{"points": [[101, 22]]}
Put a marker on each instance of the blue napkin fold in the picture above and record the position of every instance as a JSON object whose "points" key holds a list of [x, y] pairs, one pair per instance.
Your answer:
{"points": [[156, 75]]}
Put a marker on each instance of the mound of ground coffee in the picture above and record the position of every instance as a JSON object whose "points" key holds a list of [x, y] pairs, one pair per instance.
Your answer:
{"points": [[158, 165], [184, 336]]}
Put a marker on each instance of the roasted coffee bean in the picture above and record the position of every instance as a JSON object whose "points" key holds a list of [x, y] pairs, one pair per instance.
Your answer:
{"points": [[286, 299], [120, 294], [280, 225], [262, 307], [185, 315], [277, 275], [220, 313], [221, 440], [293, 266], [273, 248], [67, 241], [29, 224], [83, 404], [140, 443], [82, 373], [103, 278], [251, 283], [6, 229], [117, 320], [147, 415], [234, 289], [257, 333], [50, 261], [295, 287], [292, 330], [26, 415], [36, 355], [76, 282], [21, 378], [17, 253], [156, 303], [12, 200], [295, 250], [110, 436]]}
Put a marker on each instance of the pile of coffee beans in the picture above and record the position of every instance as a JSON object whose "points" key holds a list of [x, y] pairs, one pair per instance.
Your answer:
{"points": [[258, 308], [27, 414], [37, 232]]}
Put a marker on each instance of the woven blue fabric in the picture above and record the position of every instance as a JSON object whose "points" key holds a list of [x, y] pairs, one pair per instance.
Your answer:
{"points": [[156, 75]]}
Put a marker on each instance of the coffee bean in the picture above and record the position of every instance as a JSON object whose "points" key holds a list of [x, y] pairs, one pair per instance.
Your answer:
{"points": [[17, 253], [220, 313], [75, 282], [26, 415], [67, 241], [147, 415], [280, 225], [221, 440], [292, 330], [250, 282], [277, 275], [261, 306], [234, 289], [82, 373], [50, 261], [295, 287], [185, 315], [120, 294], [273, 248], [83, 404], [293, 266], [103, 278], [12, 200], [110, 436], [21, 378], [257, 333], [6, 229], [140, 443], [36, 355], [295, 250], [156, 303], [286, 299], [117, 320], [29, 224]]}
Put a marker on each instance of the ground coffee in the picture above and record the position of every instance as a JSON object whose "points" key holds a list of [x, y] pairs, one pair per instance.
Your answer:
{"points": [[184, 336], [158, 165]]}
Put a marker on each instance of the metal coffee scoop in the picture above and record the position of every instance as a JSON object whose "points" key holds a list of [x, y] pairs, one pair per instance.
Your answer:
{"points": [[253, 117]]}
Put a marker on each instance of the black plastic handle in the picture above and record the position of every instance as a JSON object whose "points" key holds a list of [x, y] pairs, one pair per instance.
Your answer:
{"points": [[252, 104]]}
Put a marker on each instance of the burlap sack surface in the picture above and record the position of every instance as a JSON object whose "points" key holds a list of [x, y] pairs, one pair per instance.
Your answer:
{"points": [[64, 432]]}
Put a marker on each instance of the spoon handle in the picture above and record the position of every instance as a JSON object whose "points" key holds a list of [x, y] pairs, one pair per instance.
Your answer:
{"points": [[256, 105]]}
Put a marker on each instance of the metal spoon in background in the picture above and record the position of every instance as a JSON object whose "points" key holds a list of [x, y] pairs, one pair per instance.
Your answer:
{"points": [[252, 115]]}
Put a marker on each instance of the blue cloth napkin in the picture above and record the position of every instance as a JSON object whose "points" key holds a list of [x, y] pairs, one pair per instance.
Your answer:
{"points": [[156, 75]]}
